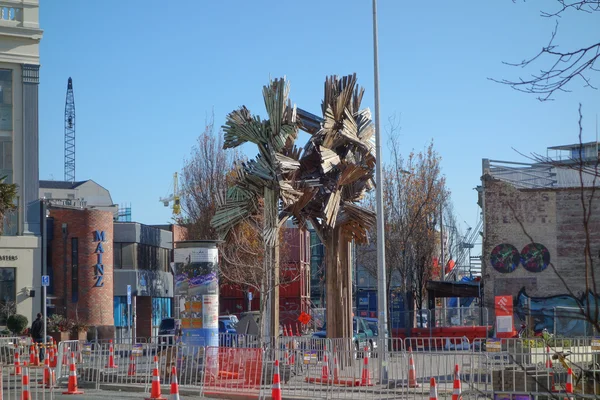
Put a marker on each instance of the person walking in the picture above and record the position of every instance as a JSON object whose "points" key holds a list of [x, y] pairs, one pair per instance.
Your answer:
{"points": [[37, 333]]}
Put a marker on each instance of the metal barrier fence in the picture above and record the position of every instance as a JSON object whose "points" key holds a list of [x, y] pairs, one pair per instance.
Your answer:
{"points": [[335, 368]]}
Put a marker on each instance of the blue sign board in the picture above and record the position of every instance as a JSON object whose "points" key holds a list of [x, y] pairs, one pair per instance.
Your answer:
{"points": [[45, 280], [128, 295]]}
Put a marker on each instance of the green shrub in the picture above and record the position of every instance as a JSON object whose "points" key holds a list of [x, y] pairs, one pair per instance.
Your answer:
{"points": [[17, 323]]}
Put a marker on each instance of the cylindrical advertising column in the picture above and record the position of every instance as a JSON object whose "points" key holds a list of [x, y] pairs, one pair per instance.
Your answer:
{"points": [[197, 285]]}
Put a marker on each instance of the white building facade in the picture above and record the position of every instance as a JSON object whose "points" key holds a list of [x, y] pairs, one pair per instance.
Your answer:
{"points": [[20, 243]]}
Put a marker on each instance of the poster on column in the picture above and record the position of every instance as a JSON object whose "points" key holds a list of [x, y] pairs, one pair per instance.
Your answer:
{"points": [[197, 285]]}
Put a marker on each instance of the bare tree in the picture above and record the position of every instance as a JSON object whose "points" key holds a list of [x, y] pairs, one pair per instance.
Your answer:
{"points": [[414, 189], [560, 67], [242, 259], [204, 176]]}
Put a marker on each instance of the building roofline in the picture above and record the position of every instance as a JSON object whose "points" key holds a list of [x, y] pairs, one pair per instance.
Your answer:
{"points": [[571, 146]]}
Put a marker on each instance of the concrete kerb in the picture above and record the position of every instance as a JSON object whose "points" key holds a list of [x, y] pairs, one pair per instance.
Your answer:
{"points": [[192, 393], [140, 389]]}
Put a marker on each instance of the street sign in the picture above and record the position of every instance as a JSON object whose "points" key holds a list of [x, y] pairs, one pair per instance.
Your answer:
{"points": [[304, 318], [250, 296], [128, 295], [45, 280]]}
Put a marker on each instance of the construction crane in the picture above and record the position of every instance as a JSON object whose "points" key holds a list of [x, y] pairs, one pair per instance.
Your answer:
{"points": [[70, 133], [173, 197]]}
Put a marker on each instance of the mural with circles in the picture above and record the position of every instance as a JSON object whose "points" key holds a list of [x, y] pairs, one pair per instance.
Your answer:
{"points": [[534, 257]]}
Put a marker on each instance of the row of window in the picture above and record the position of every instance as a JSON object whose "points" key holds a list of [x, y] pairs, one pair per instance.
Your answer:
{"points": [[130, 255]]}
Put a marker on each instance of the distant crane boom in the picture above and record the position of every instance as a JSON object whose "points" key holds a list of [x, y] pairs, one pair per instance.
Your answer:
{"points": [[173, 197], [70, 133]]}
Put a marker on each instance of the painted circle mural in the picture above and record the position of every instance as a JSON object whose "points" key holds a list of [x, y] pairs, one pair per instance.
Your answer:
{"points": [[535, 257], [505, 258]]}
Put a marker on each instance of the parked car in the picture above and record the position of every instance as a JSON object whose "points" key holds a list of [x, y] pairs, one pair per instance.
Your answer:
{"points": [[227, 333], [362, 335], [168, 329], [422, 319], [373, 324], [232, 318]]}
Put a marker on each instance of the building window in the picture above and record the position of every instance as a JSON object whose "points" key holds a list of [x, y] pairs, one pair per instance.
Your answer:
{"points": [[71, 196], [48, 195], [128, 256], [8, 293], [148, 257], [117, 263], [74, 270], [6, 124]]}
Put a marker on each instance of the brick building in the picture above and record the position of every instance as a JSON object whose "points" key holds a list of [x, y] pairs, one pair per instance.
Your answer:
{"points": [[92, 259], [80, 264], [534, 238]]}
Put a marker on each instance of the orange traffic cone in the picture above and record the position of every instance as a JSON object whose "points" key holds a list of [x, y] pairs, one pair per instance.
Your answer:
{"points": [[412, 372], [26, 395], [49, 377], [17, 365], [131, 370], [366, 375], [111, 356], [298, 330], [549, 367], [52, 357], [37, 356], [276, 389], [32, 355], [325, 368], [174, 385], [569, 385], [432, 390], [336, 369], [155, 390], [548, 359], [72, 386], [456, 389]]}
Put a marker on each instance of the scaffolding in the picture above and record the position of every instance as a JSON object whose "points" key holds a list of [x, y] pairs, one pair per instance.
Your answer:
{"points": [[124, 213]]}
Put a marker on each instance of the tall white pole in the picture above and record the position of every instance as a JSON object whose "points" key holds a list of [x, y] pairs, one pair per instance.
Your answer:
{"points": [[381, 284]]}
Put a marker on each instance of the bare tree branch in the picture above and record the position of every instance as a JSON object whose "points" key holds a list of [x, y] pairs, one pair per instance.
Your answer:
{"points": [[563, 66]]}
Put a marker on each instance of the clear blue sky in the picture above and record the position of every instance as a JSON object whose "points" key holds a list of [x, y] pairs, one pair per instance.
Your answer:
{"points": [[147, 74]]}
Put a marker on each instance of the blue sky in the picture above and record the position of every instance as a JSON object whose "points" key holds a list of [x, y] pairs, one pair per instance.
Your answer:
{"points": [[147, 73]]}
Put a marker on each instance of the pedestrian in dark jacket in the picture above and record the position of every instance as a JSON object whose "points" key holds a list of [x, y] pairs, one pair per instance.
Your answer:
{"points": [[37, 333]]}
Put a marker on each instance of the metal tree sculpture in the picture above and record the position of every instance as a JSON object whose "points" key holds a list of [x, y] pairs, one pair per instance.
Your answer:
{"points": [[268, 176], [336, 172]]}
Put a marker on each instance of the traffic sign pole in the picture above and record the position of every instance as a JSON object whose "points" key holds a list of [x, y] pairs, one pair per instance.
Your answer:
{"points": [[129, 312], [45, 284]]}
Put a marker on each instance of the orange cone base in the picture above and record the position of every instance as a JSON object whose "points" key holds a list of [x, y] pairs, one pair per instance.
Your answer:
{"points": [[74, 392], [155, 398], [413, 385], [228, 375]]}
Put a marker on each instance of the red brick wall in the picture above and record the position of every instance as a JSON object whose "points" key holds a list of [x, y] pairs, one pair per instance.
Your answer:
{"points": [[180, 233], [95, 304]]}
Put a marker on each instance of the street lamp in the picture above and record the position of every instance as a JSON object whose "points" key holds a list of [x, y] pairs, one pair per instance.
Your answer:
{"points": [[381, 283]]}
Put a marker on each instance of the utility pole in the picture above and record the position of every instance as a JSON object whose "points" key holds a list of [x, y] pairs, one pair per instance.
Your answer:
{"points": [[443, 256], [381, 283]]}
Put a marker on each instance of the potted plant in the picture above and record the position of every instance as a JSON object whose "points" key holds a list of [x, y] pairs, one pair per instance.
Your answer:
{"points": [[59, 328], [79, 331]]}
